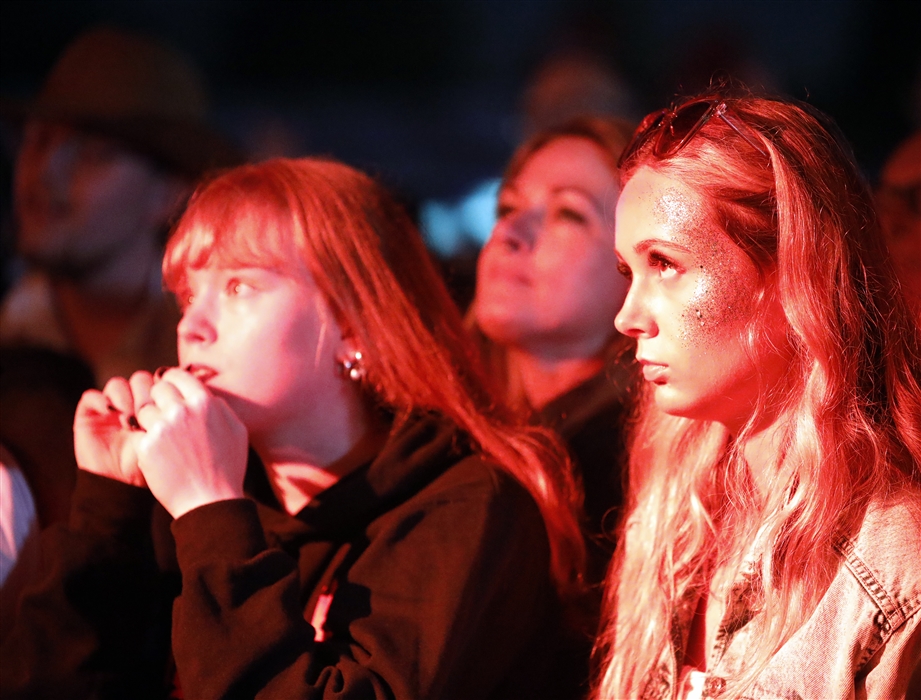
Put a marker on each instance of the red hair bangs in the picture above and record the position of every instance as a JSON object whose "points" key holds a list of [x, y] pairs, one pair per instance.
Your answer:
{"points": [[241, 219]]}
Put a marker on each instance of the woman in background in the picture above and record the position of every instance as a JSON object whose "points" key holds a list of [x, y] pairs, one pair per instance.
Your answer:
{"points": [[771, 547], [547, 293], [391, 535]]}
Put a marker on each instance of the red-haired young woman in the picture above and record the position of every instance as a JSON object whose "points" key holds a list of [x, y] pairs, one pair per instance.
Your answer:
{"points": [[391, 534]]}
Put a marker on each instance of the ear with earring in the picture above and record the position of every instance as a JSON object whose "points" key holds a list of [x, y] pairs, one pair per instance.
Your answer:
{"points": [[351, 366]]}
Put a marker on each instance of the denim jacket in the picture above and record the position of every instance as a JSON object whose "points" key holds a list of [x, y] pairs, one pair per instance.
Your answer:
{"points": [[863, 640]]}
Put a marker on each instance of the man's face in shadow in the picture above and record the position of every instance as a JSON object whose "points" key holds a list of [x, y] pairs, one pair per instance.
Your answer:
{"points": [[82, 200]]}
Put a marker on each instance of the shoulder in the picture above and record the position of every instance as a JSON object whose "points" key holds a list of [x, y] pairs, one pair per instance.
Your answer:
{"points": [[471, 503], [862, 629], [474, 479], [432, 483], [473, 524], [883, 556], [892, 523]]}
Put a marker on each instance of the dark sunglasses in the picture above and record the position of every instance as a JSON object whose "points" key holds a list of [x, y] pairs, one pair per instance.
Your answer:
{"points": [[672, 129]]}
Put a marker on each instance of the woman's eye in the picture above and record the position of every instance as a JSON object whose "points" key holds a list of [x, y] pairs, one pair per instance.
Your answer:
{"points": [[665, 266], [503, 209], [568, 214], [236, 287], [623, 269]]}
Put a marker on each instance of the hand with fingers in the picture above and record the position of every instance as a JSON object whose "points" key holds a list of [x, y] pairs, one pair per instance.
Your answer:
{"points": [[105, 441], [194, 449]]}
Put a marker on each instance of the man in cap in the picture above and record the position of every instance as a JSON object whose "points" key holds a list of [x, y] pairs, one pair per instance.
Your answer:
{"points": [[110, 149]]}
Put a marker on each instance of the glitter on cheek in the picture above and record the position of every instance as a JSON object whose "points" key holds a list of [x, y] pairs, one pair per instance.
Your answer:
{"points": [[725, 283], [693, 320], [722, 296]]}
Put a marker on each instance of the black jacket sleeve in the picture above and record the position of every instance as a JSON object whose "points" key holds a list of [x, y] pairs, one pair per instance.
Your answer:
{"points": [[92, 624]]}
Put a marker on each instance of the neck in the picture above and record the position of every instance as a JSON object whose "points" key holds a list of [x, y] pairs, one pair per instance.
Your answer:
{"points": [[298, 471], [543, 379]]}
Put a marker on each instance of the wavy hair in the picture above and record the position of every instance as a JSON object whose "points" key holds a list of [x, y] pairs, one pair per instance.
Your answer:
{"points": [[850, 412], [369, 262]]}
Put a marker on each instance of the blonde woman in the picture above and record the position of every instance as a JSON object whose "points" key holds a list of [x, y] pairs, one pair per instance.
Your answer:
{"points": [[771, 548]]}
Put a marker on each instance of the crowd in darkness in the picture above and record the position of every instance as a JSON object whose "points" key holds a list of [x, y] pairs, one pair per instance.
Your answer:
{"points": [[654, 432]]}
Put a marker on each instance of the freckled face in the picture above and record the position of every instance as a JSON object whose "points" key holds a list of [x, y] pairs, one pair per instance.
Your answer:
{"points": [[546, 279], [692, 296]]}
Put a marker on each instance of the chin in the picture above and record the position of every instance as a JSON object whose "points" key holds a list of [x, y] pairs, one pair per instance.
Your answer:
{"points": [[498, 327], [670, 402], [671, 408], [235, 401]]}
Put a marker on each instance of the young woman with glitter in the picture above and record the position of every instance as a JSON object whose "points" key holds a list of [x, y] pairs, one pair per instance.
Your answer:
{"points": [[771, 546]]}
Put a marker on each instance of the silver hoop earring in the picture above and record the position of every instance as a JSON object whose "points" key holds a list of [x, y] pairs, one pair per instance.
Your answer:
{"points": [[351, 366]]}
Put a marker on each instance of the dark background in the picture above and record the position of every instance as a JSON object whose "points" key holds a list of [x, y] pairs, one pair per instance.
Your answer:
{"points": [[428, 93]]}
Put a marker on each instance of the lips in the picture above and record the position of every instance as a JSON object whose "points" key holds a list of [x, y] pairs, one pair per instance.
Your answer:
{"points": [[201, 372], [505, 270], [654, 372]]}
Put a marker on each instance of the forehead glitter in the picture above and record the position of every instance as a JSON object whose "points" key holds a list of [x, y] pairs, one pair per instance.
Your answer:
{"points": [[677, 210]]}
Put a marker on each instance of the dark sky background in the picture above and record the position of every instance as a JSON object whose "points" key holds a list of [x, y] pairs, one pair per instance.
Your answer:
{"points": [[429, 93]]}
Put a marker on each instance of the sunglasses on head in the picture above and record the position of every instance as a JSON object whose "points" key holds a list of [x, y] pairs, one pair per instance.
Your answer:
{"points": [[672, 129]]}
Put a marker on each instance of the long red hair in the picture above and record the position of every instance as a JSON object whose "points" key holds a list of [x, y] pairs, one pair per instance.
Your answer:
{"points": [[369, 261]]}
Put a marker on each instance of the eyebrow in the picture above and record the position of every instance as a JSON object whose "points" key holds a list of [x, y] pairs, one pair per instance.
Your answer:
{"points": [[648, 243]]}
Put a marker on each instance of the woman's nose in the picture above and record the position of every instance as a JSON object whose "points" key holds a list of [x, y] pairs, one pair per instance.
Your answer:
{"points": [[518, 229], [634, 319], [197, 323]]}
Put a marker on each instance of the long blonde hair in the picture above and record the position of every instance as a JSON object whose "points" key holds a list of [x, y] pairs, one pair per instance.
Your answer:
{"points": [[852, 429], [369, 261]]}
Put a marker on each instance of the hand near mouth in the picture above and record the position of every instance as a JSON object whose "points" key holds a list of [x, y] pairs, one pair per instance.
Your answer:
{"points": [[201, 372], [143, 382], [105, 441], [195, 447]]}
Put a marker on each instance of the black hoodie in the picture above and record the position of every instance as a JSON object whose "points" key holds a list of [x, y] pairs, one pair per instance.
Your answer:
{"points": [[426, 571]]}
